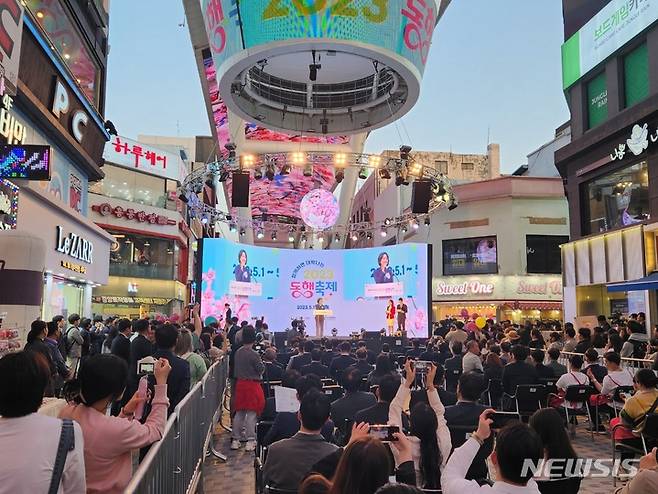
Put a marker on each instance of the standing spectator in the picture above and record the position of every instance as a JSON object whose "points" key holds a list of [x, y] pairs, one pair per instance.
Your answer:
{"points": [[121, 344], [557, 368], [584, 340], [140, 347], [471, 360], [178, 382], [342, 361], [637, 342], [249, 397], [63, 372], [457, 333], [109, 441], [36, 343], [73, 343], [536, 340], [97, 335], [29, 441], [184, 350], [85, 332]]}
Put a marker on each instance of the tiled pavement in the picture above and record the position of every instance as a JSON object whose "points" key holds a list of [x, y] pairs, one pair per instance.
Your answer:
{"points": [[236, 476]]}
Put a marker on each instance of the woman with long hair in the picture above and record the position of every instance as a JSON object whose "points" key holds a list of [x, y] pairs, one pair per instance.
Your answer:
{"points": [[109, 441], [184, 350], [363, 467], [549, 425], [430, 439], [390, 315], [36, 343]]}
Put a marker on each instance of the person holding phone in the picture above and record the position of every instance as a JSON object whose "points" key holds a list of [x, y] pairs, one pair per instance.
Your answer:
{"points": [[430, 437], [242, 272]]}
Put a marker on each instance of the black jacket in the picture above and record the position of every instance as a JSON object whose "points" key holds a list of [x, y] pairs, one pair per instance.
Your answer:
{"points": [[339, 364], [518, 373], [582, 346], [349, 405], [468, 414], [598, 370], [178, 382], [140, 347], [327, 357], [299, 361], [286, 425], [363, 366], [376, 414], [273, 372], [544, 372], [316, 368], [121, 347]]}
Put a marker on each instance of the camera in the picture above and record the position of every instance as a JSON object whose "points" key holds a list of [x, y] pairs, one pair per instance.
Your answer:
{"points": [[146, 366]]}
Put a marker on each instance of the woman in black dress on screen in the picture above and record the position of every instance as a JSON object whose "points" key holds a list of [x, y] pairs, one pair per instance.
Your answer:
{"points": [[241, 271]]}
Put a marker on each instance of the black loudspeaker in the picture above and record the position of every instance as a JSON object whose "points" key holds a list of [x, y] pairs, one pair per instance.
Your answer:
{"points": [[240, 190], [421, 191]]}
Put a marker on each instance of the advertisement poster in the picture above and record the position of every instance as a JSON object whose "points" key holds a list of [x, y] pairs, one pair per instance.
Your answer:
{"points": [[477, 255], [354, 286]]}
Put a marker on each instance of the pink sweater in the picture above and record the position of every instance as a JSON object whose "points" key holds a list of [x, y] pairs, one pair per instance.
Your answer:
{"points": [[109, 441]]}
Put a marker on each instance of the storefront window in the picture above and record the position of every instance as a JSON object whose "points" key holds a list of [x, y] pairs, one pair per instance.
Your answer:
{"points": [[66, 298], [142, 257], [618, 199], [132, 186], [597, 101], [543, 253]]}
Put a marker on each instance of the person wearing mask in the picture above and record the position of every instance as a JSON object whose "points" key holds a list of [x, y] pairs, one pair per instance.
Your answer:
{"points": [[29, 441], [110, 441], [342, 361], [36, 343], [249, 397], [183, 349], [573, 377], [121, 344], [315, 366], [592, 365], [430, 437], [178, 382], [569, 338], [467, 413], [73, 343], [515, 444], [557, 368], [549, 426], [289, 460], [345, 408], [584, 340], [273, 371], [471, 361], [362, 362], [517, 372], [543, 371], [97, 335], [383, 367], [303, 357]]}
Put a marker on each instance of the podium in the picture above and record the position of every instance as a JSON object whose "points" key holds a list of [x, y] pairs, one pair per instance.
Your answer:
{"points": [[323, 312]]}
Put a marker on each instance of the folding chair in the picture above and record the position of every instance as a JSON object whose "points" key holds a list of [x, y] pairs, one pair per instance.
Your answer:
{"points": [[528, 398], [364, 386], [550, 383], [268, 388], [328, 381], [262, 428], [343, 432], [578, 394], [494, 392], [648, 435], [401, 359], [616, 397]]}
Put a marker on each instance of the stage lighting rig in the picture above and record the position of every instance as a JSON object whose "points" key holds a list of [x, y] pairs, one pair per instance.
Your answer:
{"points": [[258, 173], [230, 147], [384, 174], [404, 152], [308, 170]]}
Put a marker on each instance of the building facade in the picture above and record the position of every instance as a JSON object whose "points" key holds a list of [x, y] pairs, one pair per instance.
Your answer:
{"points": [[610, 79], [50, 101]]}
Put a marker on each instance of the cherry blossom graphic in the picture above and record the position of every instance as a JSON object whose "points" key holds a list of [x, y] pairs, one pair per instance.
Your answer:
{"points": [[319, 209]]}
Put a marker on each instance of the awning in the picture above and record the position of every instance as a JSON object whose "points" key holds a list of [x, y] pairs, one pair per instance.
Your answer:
{"points": [[528, 305], [649, 282]]}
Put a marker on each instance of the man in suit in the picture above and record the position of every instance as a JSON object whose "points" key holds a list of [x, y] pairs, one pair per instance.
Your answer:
{"points": [[362, 362], [378, 413], [557, 368], [453, 365], [121, 343], [401, 311], [289, 460], [342, 361], [273, 371], [518, 371], [316, 367], [227, 316], [303, 357], [330, 352], [430, 354], [466, 413], [371, 355], [415, 351], [140, 347], [346, 408], [178, 382]]}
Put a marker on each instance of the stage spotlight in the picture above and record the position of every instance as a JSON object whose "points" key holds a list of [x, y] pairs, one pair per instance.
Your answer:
{"points": [[427, 221], [285, 169], [383, 233], [232, 228], [355, 237], [247, 161], [242, 232], [384, 173], [308, 170], [374, 161], [337, 238], [339, 175], [363, 173], [387, 221], [414, 224], [223, 175], [321, 239], [260, 233], [258, 173], [291, 237], [404, 152], [340, 159], [416, 169], [369, 236], [298, 159], [273, 236]]}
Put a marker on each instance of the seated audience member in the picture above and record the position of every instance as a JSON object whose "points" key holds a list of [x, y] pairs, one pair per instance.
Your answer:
{"points": [[555, 341], [345, 408], [557, 368], [184, 350], [385, 392], [342, 361], [467, 413], [371, 355], [536, 340], [592, 365], [316, 367], [415, 350], [330, 352], [178, 382], [615, 343], [289, 460], [515, 444], [549, 425], [28, 440], [493, 367], [303, 358], [584, 340], [518, 371], [646, 480], [398, 489], [430, 437], [109, 441], [615, 377], [543, 371], [471, 362], [636, 344], [286, 424], [570, 341], [505, 352], [362, 362], [454, 364], [383, 367], [573, 377], [273, 370], [430, 354], [288, 380], [446, 397]]}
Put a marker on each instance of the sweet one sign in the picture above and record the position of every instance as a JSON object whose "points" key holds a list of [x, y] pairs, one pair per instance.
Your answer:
{"points": [[496, 287]]}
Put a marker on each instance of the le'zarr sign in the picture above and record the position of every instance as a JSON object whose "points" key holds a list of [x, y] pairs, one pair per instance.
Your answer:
{"points": [[130, 214]]}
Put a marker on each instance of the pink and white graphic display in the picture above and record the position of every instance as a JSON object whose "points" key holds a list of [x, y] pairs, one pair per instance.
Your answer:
{"points": [[319, 209]]}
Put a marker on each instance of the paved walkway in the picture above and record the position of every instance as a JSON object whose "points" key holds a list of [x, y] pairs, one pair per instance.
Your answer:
{"points": [[236, 476]]}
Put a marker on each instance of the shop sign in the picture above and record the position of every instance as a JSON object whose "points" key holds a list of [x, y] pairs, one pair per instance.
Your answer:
{"points": [[8, 205], [11, 33], [74, 246], [61, 105], [473, 287], [130, 300], [553, 287], [106, 209], [78, 268], [127, 153], [637, 143], [10, 128]]}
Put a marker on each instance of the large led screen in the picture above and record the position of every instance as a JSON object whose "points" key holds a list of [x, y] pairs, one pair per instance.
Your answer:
{"points": [[477, 255], [354, 285], [25, 162]]}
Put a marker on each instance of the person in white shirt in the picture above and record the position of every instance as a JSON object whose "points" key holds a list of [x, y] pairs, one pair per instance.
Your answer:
{"points": [[573, 377], [516, 444], [29, 441], [616, 377], [472, 361], [430, 437]]}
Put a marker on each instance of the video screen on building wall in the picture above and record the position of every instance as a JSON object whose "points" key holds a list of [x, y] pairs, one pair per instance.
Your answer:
{"points": [[354, 286], [543, 253], [25, 162], [478, 255]]}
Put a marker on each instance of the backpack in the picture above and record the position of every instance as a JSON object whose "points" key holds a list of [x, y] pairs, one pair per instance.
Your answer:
{"points": [[63, 344]]}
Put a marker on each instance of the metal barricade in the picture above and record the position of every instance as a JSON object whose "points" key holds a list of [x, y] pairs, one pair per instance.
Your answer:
{"points": [[174, 464], [633, 364]]}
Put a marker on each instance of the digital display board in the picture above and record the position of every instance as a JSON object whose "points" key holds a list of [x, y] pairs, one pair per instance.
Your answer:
{"points": [[354, 285], [25, 162], [476, 255]]}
